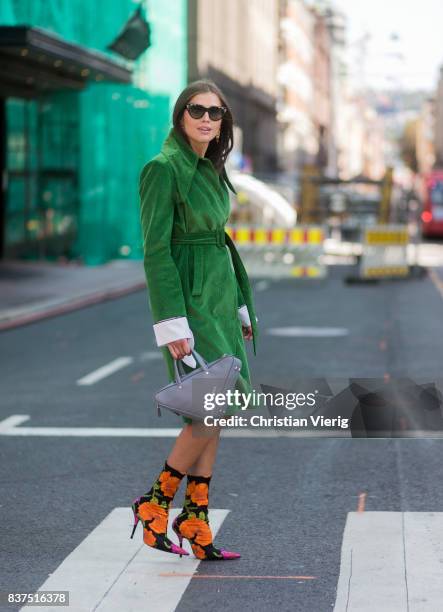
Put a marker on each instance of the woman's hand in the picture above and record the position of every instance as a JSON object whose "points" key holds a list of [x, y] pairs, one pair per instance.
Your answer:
{"points": [[247, 331], [179, 348]]}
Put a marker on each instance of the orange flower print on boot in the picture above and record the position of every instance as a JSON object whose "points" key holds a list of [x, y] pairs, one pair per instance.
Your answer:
{"points": [[193, 523], [155, 515], [199, 493], [169, 484], [197, 530], [153, 510], [149, 538], [198, 551]]}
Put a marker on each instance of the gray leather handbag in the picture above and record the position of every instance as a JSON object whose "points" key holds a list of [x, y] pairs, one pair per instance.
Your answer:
{"points": [[193, 395]]}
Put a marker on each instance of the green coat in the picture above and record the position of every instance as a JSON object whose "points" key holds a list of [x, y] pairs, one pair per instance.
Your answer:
{"points": [[197, 287]]}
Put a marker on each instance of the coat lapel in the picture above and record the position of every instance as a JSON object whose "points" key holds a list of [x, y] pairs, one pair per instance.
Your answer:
{"points": [[184, 162]]}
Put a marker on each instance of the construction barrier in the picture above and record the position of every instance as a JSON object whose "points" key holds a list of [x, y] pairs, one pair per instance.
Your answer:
{"points": [[281, 252], [384, 252]]}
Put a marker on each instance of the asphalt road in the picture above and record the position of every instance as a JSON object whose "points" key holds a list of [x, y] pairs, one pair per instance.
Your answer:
{"points": [[289, 498]]}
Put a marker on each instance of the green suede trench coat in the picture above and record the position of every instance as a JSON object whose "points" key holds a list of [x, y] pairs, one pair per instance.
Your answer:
{"points": [[197, 285]]}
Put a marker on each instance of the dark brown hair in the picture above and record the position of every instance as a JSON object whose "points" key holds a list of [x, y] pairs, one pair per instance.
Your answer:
{"points": [[217, 152]]}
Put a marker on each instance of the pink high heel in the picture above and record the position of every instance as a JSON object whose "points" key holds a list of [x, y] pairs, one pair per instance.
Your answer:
{"points": [[177, 532], [150, 537]]}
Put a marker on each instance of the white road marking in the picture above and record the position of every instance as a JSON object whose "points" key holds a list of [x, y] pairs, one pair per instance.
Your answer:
{"points": [[109, 572], [11, 422], [105, 371], [9, 427], [308, 332], [391, 561]]}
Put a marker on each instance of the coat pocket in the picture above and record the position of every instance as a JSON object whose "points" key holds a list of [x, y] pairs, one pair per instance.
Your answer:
{"points": [[219, 287], [209, 270]]}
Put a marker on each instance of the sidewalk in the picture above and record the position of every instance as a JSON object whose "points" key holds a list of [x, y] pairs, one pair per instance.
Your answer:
{"points": [[30, 291]]}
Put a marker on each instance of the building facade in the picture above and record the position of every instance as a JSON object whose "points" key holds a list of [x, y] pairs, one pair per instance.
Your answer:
{"points": [[362, 143], [235, 43], [298, 138], [425, 136], [305, 86], [322, 87]]}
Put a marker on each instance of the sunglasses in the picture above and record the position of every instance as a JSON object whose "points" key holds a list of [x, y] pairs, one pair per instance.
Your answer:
{"points": [[197, 111]]}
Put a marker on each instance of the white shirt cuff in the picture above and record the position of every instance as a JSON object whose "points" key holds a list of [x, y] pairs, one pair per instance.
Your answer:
{"points": [[243, 315], [176, 328]]}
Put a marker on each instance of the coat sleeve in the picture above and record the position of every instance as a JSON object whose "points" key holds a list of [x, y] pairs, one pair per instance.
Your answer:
{"points": [[156, 189]]}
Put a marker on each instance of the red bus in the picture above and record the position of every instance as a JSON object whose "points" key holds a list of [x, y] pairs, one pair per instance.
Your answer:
{"points": [[432, 197]]}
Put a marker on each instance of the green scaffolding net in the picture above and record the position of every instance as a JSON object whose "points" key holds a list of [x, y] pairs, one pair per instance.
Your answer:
{"points": [[73, 158]]}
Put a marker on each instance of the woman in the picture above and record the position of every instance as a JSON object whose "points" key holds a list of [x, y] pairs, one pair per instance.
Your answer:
{"points": [[199, 294]]}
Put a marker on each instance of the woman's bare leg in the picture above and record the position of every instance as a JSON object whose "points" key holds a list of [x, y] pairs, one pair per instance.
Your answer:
{"points": [[191, 444], [203, 466]]}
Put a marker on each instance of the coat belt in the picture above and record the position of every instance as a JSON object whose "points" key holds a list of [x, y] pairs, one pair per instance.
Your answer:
{"points": [[221, 239]]}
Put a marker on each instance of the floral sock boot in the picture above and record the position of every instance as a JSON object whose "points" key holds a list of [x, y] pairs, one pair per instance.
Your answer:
{"points": [[152, 509], [193, 523]]}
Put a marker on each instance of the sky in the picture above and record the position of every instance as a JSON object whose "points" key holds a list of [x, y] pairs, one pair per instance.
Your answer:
{"points": [[412, 60]]}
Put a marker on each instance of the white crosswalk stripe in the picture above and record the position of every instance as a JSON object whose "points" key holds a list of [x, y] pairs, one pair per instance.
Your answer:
{"points": [[391, 562], [109, 572]]}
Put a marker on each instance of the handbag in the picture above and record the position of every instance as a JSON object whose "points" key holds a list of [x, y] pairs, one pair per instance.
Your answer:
{"points": [[188, 395]]}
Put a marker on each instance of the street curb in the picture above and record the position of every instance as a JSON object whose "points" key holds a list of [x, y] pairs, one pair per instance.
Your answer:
{"points": [[59, 307]]}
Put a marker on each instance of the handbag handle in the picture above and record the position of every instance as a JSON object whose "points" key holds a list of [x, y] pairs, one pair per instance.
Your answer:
{"points": [[198, 358]]}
